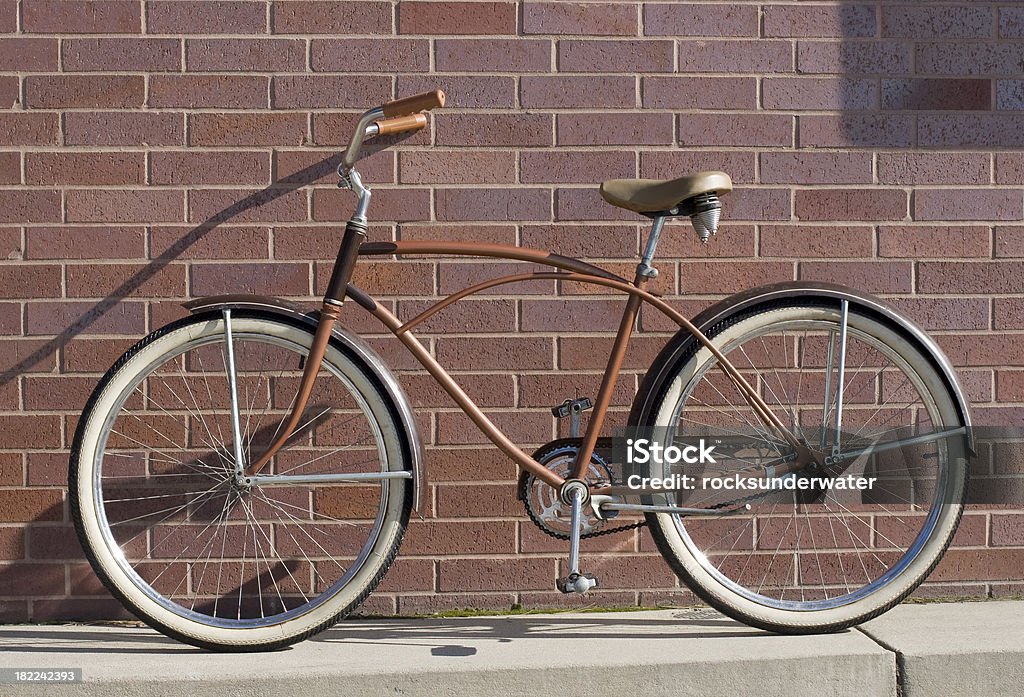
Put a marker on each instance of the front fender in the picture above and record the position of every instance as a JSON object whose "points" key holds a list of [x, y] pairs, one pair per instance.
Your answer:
{"points": [[660, 370], [373, 362]]}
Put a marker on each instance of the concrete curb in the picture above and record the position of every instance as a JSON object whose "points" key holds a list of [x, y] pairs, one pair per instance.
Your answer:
{"points": [[915, 650]]}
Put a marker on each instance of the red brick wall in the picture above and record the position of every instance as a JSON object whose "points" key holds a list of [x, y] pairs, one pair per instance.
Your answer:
{"points": [[872, 144]]}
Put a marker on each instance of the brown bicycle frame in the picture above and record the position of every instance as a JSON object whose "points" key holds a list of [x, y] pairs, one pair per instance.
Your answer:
{"points": [[569, 270]]}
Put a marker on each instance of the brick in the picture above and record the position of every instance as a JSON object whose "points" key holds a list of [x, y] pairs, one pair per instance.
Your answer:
{"points": [[392, 278], [577, 91], [29, 281], [123, 128], [464, 91], [82, 16], [974, 130], [970, 277], [490, 233], [854, 58], [9, 16], [495, 574], [933, 168], [231, 167], [824, 21], [979, 565], [511, 353], [30, 431], [73, 242], [932, 94], [124, 206], [970, 204], [43, 579], [10, 325], [611, 56], [209, 91], [277, 278], [434, 18], [715, 277], [947, 22], [402, 204], [979, 350], [576, 18], [468, 317], [29, 205], [336, 17], [1011, 22], [592, 242], [493, 204], [869, 276], [700, 19], [206, 17], [740, 56], [477, 500], [28, 54], [367, 55], [278, 129], [586, 204], [856, 130], [914, 242], [151, 55], [758, 204], [220, 242], [264, 55], [1009, 95], [818, 94], [12, 543], [1009, 241], [958, 314], [677, 163], [329, 91], [963, 59], [571, 315], [493, 55], [1008, 530], [243, 205], [96, 280], [700, 92], [84, 91], [311, 166], [452, 537], [851, 204], [615, 129], [87, 169], [10, 168], [63, 393], [731, 241], [823, 242], [816, 167], [468, 130], [574, 166], [457, 167], [737, 130]]}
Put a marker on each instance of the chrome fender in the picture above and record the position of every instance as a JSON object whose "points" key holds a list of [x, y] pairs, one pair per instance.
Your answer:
{"points": [[660, 368], [373, 362]]}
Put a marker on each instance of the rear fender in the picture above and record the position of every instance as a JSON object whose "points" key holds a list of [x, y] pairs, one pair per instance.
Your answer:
{"points": [[661, 369]]}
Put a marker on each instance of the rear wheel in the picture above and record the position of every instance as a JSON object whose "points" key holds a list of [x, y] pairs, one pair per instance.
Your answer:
{"points": [[198, 555], [819, 558]]}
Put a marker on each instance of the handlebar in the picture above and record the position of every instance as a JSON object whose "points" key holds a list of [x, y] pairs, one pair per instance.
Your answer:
{"points": [[395, 116]]}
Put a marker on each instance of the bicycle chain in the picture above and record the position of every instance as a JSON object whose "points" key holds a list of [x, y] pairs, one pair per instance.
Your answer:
{"points": [[632, 526]]}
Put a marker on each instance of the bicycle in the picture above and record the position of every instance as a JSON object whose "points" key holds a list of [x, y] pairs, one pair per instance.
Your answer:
{"points": [[241, 478]]}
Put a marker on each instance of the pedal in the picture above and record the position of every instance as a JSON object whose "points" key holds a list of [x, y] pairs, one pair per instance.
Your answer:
{"points": [[576, 583], [572, 408]]}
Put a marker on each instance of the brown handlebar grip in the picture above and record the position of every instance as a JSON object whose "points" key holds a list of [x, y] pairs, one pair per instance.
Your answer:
{"points": [[400, 124], [417, 102]]}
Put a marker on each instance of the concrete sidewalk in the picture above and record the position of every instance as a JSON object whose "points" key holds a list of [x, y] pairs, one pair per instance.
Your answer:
{"points": [[914, 650]]}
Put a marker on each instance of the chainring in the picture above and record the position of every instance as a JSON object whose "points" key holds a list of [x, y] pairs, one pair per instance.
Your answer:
{"points": [[542, 502]]}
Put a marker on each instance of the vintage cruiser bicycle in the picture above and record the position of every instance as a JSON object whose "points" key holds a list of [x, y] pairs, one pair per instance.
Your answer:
{"points": [[241, 478]]}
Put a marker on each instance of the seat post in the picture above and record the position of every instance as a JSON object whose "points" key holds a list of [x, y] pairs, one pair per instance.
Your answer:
{"points": [[644, 270]]}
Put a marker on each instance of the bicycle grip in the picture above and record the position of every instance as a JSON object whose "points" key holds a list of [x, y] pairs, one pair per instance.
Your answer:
{"points": [[413, 104], [401, 124]]}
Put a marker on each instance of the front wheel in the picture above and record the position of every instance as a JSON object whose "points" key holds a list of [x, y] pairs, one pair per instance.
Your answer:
{"points": [[180, 541], [809, 554]]}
